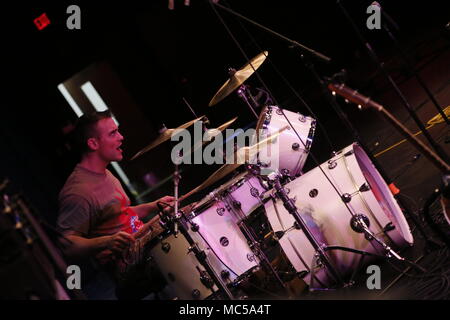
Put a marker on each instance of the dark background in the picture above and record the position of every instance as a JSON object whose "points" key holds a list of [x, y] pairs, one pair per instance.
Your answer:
{"points": [[162, 55]]}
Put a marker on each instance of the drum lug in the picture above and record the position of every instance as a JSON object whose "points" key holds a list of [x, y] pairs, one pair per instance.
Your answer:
{"points": [[165, 247], [220, 211], [346, 197], [195, 227], [348, 153], [364, 187], [195, 294], [250, 257], [295, 146], [237, 204], [254, 192], [313, 193], [332, 164], [224, 241], [206, 280], [225, 274]]}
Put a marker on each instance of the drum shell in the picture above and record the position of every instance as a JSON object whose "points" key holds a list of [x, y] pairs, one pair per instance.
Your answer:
{"points": [[219, 234], [180, 268], [287, 152]]}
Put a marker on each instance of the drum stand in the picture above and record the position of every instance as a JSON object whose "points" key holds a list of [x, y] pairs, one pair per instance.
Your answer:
{"points": [[292, 209], [193, 247], [256, 248]]}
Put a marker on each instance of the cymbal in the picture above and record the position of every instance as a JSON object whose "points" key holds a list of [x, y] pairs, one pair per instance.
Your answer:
{"points": [[241, 156], [217, 175], [212, 133], [238, 78], [164, 136]]}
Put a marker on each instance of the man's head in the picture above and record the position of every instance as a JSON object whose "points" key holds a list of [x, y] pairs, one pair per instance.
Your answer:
{"points": [[97, 133]]}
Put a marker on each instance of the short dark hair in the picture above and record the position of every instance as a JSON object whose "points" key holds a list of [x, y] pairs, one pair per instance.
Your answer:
{"points": [[85, 128]]}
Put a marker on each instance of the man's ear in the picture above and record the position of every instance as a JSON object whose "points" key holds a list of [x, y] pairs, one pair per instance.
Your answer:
{"points": [[92, 143]]}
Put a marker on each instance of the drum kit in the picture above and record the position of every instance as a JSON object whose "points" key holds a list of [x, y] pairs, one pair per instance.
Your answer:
{"points": [[326, 223]]}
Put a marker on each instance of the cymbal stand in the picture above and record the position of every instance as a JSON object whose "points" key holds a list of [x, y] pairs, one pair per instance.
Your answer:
{"points": [[193, 246], [201, 256], [245, 95]]}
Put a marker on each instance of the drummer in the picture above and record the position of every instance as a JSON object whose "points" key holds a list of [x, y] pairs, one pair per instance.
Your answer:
{"points": [[95, 215]]}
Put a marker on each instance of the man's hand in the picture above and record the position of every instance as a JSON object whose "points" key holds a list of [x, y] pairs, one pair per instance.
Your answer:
{"points": [[120, 241], [168, 203]]}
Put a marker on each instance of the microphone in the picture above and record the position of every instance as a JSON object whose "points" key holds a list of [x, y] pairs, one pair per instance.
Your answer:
{"points": [[386, 16]]}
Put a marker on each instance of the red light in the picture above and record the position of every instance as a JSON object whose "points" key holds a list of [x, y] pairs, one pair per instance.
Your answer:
{"points": [[42, 21]]}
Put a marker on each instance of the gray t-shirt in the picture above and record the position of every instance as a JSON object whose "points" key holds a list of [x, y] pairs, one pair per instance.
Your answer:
{"points": [[94, 204]]}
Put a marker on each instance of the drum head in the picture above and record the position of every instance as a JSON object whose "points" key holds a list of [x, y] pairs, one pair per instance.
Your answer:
{"points": [[383, 194]]}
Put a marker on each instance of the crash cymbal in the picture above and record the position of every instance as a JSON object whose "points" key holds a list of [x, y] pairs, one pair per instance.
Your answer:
{"points": [[211, 134], [238, 78], [164, 136], [241, 156]]}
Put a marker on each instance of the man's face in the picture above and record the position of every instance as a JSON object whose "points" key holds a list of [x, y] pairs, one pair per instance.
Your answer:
{"points": [[109, 140]]}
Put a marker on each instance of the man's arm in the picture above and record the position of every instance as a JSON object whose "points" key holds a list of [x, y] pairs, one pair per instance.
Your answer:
{"points": [[143, 210], [81, 247]]}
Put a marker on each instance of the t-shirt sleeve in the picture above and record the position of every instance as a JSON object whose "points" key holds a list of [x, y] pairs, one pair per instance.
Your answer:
{"points": [[74, 215]]}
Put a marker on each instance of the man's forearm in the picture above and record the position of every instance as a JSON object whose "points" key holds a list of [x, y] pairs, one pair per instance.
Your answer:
{"points": [[83, 247], [145, 209]]}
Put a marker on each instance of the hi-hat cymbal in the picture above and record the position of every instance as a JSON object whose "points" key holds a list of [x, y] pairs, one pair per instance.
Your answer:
{"points": [[238, 78], [241, 156], [164, 136]]}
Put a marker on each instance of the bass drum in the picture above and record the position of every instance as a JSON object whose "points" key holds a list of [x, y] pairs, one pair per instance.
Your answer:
{"points": [[327, 215], [288, 153]]}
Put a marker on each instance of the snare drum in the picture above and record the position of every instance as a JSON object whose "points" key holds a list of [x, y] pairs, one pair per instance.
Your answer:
{"points": [[288, 153], [327, 214]]}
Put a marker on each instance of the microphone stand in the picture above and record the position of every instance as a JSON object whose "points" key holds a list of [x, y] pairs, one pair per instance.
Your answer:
{"points": [[408, 107]]}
